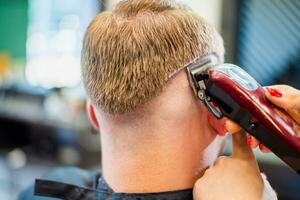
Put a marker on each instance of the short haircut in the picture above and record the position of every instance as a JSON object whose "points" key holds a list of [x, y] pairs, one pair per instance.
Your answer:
{"points": [[128, 53]]}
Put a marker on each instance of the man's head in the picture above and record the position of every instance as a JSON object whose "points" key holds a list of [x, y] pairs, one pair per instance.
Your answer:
{"points": [[128, 53], [152, 128]]}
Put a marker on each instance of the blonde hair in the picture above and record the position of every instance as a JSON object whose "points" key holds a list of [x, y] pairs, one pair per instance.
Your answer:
{"points": [[128, 53]]}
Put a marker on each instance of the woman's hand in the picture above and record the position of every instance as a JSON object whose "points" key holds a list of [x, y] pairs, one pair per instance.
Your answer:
{"points": [[232, 177], [283, 96]]}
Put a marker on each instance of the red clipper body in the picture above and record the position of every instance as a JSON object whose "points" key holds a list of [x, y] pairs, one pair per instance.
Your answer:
{"points": [[240, 98]]}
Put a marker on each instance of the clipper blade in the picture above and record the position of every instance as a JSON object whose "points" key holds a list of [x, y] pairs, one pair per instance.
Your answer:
{"points": [[200, 62]]}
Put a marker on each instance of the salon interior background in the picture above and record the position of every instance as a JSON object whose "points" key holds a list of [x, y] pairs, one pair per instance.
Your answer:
{"points": [[42, 104]]}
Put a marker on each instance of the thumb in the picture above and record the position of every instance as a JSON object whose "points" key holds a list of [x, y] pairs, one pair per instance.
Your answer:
{"points": [[284, 96], [240, 149]]}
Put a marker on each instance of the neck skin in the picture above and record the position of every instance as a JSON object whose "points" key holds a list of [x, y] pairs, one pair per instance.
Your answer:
{"points": [[167, 149]]}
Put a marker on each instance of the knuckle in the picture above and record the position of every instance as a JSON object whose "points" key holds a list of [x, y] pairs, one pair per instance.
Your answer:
{"points": [[222, 160], [207, 172], [198, 183]]}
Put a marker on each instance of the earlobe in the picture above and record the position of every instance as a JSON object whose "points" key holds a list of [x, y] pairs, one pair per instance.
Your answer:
{"points": [[219, 126], [92, 115]]}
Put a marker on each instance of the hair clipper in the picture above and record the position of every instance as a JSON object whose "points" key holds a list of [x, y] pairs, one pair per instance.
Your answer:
{"points": [[240, 98]]}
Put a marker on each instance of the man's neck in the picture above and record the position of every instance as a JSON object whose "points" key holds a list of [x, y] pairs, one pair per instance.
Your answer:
{"points": [[166, 148], [139, 162]]}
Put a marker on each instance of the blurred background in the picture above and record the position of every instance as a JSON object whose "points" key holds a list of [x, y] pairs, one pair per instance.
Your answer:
{"points": [[42, 103]]}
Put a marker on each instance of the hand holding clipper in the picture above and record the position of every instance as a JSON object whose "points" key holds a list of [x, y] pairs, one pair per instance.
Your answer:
{"points": [[284, 97], [240, 98]]}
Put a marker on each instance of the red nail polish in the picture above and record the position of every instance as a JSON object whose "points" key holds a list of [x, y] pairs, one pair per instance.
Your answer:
{"points": [[261, 147], [249, 141], [274, 92]]}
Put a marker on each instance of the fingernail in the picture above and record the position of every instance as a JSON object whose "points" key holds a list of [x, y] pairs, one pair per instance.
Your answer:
{"points": [[249, 141], [274, 92], [261, 147]]}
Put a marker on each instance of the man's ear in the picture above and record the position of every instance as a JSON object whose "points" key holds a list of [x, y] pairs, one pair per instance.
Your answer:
{"points": [[92, 114]]}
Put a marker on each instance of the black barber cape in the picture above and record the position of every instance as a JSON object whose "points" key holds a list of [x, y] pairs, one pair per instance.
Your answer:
{"points": [[103, 192], [76, 184]]}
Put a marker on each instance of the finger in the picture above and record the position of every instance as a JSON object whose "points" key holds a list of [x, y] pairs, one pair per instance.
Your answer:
{"points": [[240, 149], [252, 142], [290, 100], [264, 149], [283, 96], [232, 127], [295, 114], [220, 159]]}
